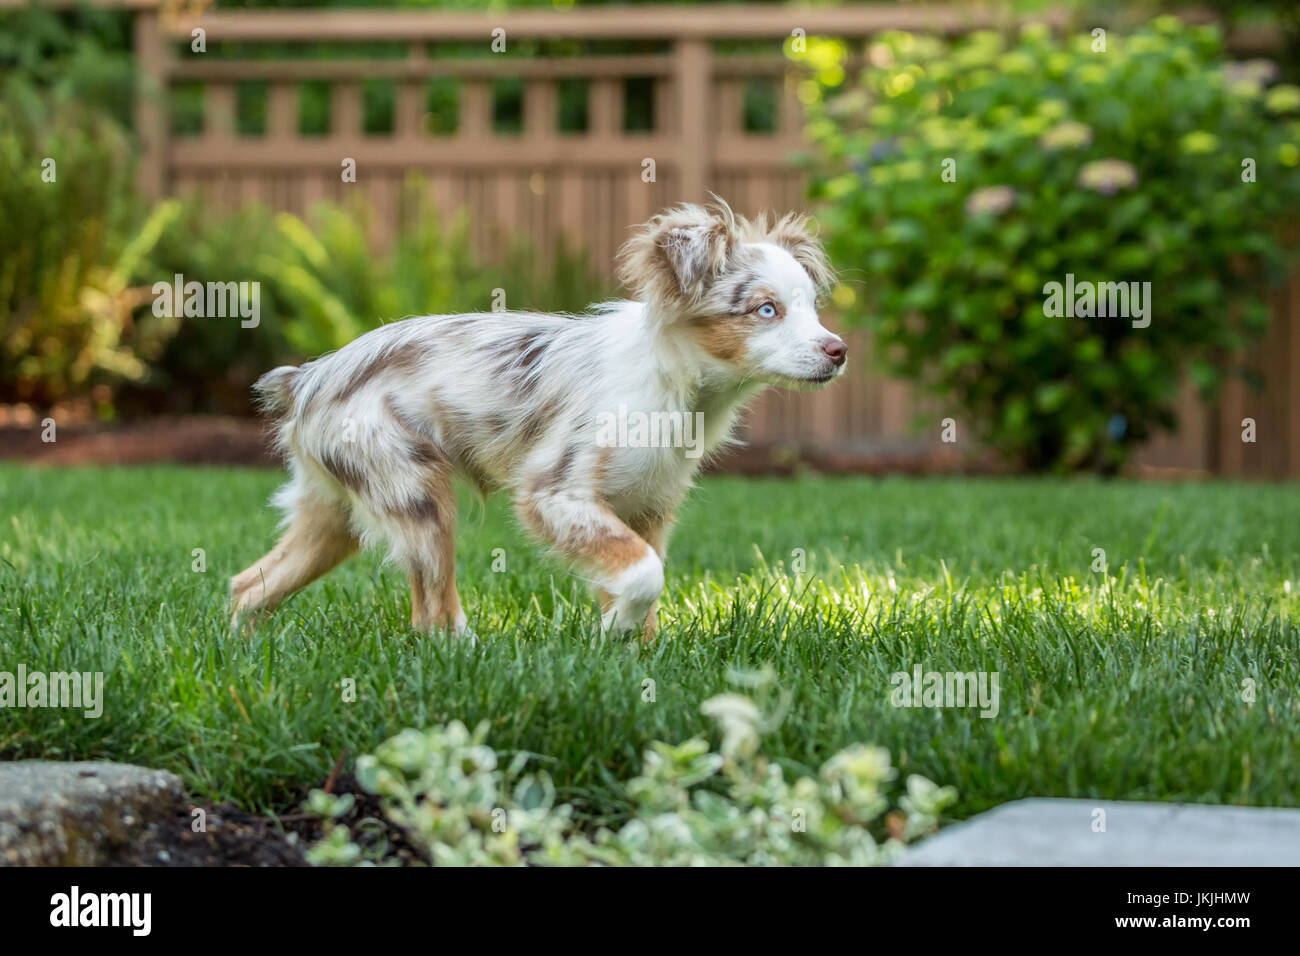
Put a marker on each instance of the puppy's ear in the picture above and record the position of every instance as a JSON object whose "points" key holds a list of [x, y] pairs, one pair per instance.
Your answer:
{"points": [[794, 233], [673, 259]]}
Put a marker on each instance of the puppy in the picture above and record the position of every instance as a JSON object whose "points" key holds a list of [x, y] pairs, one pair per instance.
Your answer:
{"points": [[375, 432]]}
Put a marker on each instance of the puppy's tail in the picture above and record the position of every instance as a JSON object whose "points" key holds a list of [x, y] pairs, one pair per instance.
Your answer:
{"points": [[274, 390]]}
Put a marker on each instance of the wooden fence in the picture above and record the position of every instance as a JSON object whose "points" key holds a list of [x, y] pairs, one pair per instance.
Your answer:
{"points": [[588, 185]]}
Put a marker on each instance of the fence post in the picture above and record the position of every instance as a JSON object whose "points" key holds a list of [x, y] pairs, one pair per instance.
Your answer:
{"points": [[694, 147], [150, 103]]}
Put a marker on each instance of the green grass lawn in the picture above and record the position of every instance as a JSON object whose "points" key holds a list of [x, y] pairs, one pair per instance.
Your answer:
{"points": [[1127, 685]]}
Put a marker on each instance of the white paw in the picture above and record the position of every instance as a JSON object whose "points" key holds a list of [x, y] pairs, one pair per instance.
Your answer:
{"points": [[636, 589], [463, 631]]}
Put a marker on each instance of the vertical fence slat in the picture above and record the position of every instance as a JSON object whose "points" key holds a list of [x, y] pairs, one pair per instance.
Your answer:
{"points": [[1271, 451], [1290, 314], [540, 109], [1231, 407], [789, 120], [475, 110], [605, 107], [282, 111], [640, 197], [694, 148], [730, 100], [411, 104], [219, 111], [151, 104], [408, 112], [346, 111], [668, 122]]}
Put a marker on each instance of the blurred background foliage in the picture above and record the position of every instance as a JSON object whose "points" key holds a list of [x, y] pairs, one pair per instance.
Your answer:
{"points": [[79, 255], [1126, 167], [949, 294], [324, 284], [66, 255]]}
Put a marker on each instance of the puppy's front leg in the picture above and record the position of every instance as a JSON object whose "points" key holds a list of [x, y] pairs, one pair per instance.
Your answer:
{"points": [[622, 564], [655, 531]]}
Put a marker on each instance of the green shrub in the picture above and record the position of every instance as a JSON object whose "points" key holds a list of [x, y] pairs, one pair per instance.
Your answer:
{"points": [[446, 791], [77, 273], [336, 287], [323, 283], [82, 54], [1117, 166], [71, 243], [75, 237], [206, 364]]}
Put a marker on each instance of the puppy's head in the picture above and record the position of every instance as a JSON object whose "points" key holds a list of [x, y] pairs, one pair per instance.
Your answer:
{"points": [[744, 294]]}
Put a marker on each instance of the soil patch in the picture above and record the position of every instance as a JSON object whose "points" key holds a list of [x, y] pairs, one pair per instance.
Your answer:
{"points": [[234, 838], [187, 440]]}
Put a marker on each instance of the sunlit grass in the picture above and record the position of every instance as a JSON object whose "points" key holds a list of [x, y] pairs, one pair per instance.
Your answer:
{"points": [[1126, 684]]}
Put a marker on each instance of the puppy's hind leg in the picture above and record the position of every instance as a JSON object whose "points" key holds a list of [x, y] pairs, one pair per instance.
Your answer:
{"points": [[422, 535], [434, 601], [317, 539]]}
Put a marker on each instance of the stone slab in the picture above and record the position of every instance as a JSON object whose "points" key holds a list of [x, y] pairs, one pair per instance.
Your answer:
{"points": [[55, 814], [1057, 832]]}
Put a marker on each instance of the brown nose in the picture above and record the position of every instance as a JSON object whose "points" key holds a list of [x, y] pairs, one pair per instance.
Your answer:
{"points": [[835, 350]]}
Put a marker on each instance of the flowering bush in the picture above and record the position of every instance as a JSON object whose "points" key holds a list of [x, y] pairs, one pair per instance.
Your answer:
{"points": [[961, 181], [691, 806]]}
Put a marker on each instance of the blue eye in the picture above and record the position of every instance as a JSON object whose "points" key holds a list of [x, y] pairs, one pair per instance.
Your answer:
{"points": [[767, 310]]}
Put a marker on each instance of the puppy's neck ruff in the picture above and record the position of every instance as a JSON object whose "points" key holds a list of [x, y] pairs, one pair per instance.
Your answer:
{"points": [[654, 364]]}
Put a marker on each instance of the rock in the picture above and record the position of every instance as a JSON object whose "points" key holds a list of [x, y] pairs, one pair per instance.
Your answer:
{"points": [[1052, 832], [75, 813]]}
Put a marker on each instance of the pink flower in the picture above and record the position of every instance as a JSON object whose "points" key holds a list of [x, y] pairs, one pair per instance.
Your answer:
{"points": [[1067, 135], [992, 200], [1108, 176]]}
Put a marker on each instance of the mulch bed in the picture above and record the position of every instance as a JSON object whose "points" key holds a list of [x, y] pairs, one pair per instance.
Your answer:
{"points": [[213, 440], [235, 838], [187, 440]]}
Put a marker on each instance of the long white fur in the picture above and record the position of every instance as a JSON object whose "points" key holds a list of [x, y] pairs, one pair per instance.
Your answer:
{"points": [[375, 431]]}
